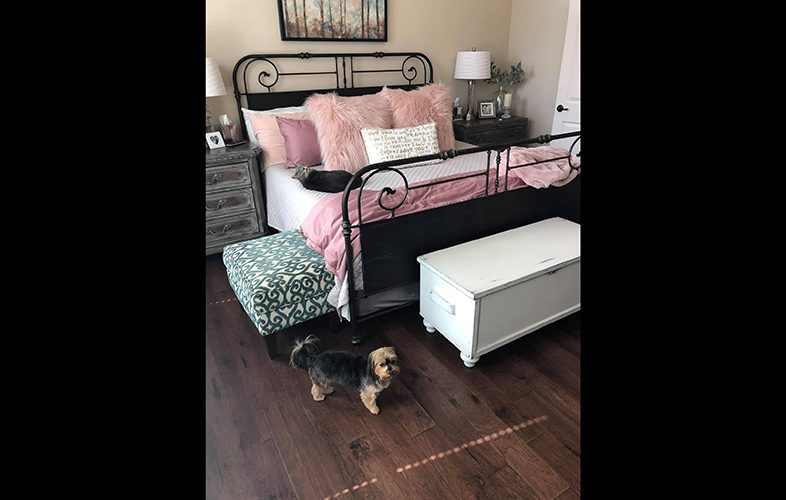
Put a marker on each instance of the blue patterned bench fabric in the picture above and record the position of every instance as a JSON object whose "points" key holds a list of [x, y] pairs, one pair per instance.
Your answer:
{"points": [[279, 280]]}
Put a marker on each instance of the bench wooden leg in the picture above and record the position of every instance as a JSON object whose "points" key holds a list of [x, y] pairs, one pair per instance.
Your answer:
{"points": [[270, 340], [356, 337], [334, 322]]}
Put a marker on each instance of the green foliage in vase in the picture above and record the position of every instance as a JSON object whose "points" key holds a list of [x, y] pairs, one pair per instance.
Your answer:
{"points": [[516, 75], [502, 77], [498, 75]]}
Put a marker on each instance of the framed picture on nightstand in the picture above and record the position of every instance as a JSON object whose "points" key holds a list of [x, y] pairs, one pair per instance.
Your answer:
{"points": [[214, 140], [486, 110]]}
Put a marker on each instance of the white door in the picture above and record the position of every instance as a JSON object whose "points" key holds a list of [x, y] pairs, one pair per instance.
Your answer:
{"points": [[567, 109]]}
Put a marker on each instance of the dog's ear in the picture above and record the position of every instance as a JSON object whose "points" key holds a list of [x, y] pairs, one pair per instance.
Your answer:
{"points": [[371, 363], [376, 357]]}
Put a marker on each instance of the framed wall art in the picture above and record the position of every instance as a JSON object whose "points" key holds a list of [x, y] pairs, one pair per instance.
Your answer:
{"points": [[334, 20]]}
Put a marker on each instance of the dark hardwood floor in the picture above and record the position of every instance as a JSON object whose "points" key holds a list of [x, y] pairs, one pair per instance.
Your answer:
{"points": [[508, 428]]}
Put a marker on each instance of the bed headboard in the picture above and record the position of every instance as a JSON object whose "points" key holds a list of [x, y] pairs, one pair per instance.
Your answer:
{"points": [[255, 76]]}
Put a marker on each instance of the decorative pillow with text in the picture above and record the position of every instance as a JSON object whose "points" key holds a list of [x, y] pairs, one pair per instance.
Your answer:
{"points": [[399, 143]]}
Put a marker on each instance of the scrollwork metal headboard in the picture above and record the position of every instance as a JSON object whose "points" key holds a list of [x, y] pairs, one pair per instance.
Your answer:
{"points": [[260, 71]]}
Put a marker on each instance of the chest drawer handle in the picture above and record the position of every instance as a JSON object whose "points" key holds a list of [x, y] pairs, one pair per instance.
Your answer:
{"points": [[441, 302], [220, 204], [227, 227], [216, 178]]}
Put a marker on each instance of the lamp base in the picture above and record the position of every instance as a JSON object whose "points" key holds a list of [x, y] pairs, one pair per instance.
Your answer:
{"points": [[470, 100]]}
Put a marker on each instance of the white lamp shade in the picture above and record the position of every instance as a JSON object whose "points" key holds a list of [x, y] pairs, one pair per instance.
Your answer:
{"points": [[214, 84], [473, 65]]}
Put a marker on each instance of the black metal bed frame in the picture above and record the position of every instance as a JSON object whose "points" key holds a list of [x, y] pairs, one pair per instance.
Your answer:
{"points": [[390, 246]]}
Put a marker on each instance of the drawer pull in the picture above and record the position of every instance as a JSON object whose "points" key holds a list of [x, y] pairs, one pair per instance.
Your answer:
{"points": [[220, 204], [441, 302], [216, 178], [227, 227]]}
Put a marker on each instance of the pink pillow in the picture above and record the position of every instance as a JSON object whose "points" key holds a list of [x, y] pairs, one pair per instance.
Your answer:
{"points": [[432, 103], [300, 141], [338, 121], [269, 136]]}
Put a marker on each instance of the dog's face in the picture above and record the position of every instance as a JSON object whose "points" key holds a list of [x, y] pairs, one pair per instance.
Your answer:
{"points": [[384, 363]]}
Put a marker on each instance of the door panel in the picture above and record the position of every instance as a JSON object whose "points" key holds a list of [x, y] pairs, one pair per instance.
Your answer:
{"points": [[569, 90]]}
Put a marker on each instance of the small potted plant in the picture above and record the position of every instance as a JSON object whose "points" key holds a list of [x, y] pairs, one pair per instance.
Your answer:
{"points": [[505, 78]]}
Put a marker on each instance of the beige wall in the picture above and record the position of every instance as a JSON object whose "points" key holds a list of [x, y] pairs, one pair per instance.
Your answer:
{"points": [[438, 28], [537, 36]]}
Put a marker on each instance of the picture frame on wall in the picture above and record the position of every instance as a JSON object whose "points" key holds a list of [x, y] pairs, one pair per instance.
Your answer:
{"points": [[486, 109], [333, 20], [215, 140]]}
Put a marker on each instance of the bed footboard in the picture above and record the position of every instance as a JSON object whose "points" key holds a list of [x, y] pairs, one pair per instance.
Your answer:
{"points": [[390, 246]]}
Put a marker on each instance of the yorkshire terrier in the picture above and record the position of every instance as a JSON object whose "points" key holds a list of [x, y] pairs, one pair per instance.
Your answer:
{"points": [[368, 374]]}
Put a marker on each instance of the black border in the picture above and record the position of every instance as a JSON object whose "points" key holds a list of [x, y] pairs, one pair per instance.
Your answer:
{"points": [[302, 39]]}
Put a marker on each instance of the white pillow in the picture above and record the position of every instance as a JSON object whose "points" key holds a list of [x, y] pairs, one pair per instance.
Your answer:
{"points": [[252, 137], [398, 143]]}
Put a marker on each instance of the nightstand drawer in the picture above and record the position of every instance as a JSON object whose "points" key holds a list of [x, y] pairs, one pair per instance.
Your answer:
{"points": [[234, 210], [228, 202], [229, 228], [227, 176], [484, 132], [495, 135]]}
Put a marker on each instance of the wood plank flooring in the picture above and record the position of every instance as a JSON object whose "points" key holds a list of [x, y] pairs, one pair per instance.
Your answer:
{"points": [[444, 431]]}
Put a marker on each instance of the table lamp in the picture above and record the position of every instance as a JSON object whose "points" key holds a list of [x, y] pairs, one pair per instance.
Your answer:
{"points": [[472, 65], [214, 86]]}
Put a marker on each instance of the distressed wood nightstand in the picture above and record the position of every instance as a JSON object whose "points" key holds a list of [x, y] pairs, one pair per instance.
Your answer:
{"points": [[234, 207], [490, 130]]}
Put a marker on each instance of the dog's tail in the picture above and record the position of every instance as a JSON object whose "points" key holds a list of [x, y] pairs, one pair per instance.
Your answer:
{"points": [[304, 352]]}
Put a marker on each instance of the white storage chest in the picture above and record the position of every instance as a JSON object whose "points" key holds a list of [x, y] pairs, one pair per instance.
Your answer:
{"points": [[485, 293]]}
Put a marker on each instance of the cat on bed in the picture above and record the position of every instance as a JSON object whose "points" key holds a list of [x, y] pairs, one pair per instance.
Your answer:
{"points": [[326, 181]]}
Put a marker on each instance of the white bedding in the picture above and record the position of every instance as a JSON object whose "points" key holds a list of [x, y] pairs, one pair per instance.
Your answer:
{"points": [[288, 202]]}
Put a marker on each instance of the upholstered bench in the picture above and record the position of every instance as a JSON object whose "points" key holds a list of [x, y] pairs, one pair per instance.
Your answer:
{"points": [[279, 281]]}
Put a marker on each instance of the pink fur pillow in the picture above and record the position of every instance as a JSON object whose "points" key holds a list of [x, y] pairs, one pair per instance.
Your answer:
{"points": [[338, 121], [432, 103]]}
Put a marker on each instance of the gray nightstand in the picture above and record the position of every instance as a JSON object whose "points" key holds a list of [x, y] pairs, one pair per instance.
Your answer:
{"points": [[234, 208], [490, 130]]}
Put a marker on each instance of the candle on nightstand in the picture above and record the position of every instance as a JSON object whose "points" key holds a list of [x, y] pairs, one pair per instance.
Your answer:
{"points": [[507, 99]]}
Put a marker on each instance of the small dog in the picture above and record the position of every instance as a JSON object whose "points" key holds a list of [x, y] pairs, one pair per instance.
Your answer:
{"points": [[368, 374]]}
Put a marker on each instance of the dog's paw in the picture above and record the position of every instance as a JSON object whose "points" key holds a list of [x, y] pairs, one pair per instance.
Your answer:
{"points": [[329, 390], [316, 393], [374, 410]]}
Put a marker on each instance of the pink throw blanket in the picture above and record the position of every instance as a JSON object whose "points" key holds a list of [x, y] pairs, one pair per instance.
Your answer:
{"points": [[322, 227], [553, 173]]}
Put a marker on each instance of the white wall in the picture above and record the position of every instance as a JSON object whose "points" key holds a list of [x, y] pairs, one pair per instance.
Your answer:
{"points": [[537, 36], [438, 28]]}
